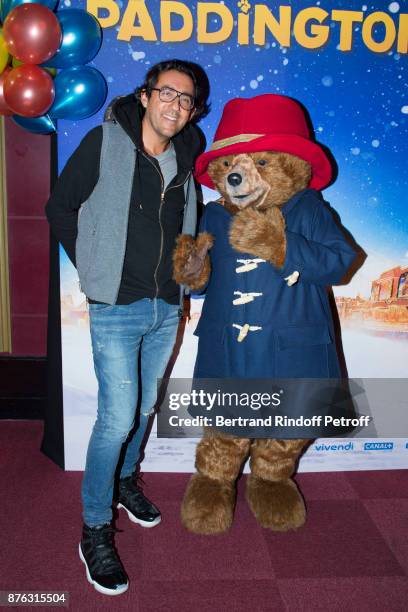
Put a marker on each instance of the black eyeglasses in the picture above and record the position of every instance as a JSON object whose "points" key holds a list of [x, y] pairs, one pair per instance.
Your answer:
{"points": [[168, 94]]}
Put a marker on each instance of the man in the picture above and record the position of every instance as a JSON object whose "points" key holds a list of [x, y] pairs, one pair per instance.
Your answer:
{"points": [[117, 208]]}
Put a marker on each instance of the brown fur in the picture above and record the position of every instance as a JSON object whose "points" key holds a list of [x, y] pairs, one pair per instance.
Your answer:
{"points": [[260, 233], [276, 505], [275, 460], [220, 456], [191, 263], [279, 179], [208, 504], [209, 501], [272, 496]]}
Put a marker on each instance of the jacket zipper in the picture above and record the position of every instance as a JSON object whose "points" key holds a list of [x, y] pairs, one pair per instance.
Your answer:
{"points": [[162, 196], [128, 209]]}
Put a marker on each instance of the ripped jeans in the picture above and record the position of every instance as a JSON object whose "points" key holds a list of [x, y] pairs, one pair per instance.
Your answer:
{"points": [[121, 336]]}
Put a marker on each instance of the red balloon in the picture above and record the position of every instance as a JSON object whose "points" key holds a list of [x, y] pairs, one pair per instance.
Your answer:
{"points": [[32, 33], [4, 109], [29, 91]]}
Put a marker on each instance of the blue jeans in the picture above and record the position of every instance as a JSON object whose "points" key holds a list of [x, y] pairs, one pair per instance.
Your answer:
{"points": [[120, 335]]}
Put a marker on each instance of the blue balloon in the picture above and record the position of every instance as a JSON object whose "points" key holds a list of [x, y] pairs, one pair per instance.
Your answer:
{"points": [[36, 125], [9, 5], [81, 39], [79, 93]]}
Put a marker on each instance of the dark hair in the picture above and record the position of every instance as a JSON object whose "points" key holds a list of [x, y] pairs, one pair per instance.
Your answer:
{"points": [[194, 71]]}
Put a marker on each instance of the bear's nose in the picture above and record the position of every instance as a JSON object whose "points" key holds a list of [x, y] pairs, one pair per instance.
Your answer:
{"points": [[234, 179]]}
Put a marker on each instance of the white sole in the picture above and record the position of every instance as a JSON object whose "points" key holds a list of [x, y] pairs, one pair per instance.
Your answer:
{"points": [[138, 521], [97, 586]]}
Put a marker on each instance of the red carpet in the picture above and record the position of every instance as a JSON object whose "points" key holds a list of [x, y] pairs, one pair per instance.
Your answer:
{"points": [[351, 555]]}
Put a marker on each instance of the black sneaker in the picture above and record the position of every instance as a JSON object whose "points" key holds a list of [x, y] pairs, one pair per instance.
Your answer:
{"points": [[103, 567], [140, 510]]}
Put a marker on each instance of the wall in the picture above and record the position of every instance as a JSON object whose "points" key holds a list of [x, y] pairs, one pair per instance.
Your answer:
{"points": [[28, 180]]}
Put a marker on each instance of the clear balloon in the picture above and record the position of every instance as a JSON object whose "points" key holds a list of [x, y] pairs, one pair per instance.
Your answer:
{"points": [[9, 5], [4, 108], [29, 91], [79, 93], [36, 125], [32, 33], [4, 54], [81, 39]]}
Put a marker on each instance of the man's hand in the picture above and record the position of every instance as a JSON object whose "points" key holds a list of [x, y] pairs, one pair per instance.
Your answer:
{"points": [[260, 233]]}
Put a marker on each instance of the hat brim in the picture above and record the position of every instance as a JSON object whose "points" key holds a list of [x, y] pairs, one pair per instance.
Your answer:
{"points": [[284, 143]]}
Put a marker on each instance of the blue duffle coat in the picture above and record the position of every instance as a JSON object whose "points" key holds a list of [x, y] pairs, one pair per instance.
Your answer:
{"points": [[290, 327]]}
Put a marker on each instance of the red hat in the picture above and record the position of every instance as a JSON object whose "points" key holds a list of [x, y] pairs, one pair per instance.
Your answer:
{"points": [[265, 123]]}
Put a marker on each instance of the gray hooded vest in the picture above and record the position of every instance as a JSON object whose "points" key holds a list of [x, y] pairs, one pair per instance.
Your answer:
{"points": [[103, 217]]}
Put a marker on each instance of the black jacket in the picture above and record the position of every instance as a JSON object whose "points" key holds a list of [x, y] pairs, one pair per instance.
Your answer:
{"points": [[146, 249]]}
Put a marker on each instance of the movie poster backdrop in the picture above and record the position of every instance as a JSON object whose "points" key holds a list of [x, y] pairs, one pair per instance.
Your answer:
{"points": [[346, 63]]}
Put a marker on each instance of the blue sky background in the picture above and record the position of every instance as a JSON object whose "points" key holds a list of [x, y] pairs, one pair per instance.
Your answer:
{"points": [[357, 101]]}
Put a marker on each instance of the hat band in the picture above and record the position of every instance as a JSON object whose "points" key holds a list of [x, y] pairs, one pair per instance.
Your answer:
{"points": [[226, 142]]}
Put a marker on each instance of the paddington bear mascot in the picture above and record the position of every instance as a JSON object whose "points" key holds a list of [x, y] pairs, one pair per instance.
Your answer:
{"points": [[265, 254]]}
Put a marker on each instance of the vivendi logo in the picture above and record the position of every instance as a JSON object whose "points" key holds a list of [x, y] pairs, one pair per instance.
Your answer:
{"points": [[329, 447]]}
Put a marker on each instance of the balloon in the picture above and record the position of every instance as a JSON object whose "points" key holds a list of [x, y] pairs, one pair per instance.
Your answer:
{"points": [[4, 109], [15, 62], [79, 93], [9, 5], [4, 54], [81, 39], [32, 33], [36, 125], [29, 91]]}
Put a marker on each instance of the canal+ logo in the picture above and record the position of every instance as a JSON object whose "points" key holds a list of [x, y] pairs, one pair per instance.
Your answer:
{"points": [[378, 446]]}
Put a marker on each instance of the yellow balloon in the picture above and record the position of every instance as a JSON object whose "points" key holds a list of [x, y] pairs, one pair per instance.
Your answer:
{"points": [[4, 54], [15, 62]]}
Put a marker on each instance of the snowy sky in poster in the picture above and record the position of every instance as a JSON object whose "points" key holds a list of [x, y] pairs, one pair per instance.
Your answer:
{"points": [[357, 101]]}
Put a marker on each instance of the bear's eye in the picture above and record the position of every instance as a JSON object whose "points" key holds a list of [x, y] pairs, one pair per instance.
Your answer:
{"points": [[226, 163], [262, 162]]}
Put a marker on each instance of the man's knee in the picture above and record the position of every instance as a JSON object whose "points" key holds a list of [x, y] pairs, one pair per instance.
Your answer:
{"points": [[114, 429]]}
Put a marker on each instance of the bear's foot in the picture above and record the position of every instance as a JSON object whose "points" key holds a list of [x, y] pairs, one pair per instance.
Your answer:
{"points": [[208, 505], [276, 505]]}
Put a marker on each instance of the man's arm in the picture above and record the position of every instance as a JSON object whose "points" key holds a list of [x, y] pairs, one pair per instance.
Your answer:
{"points": [[74, 186]]}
